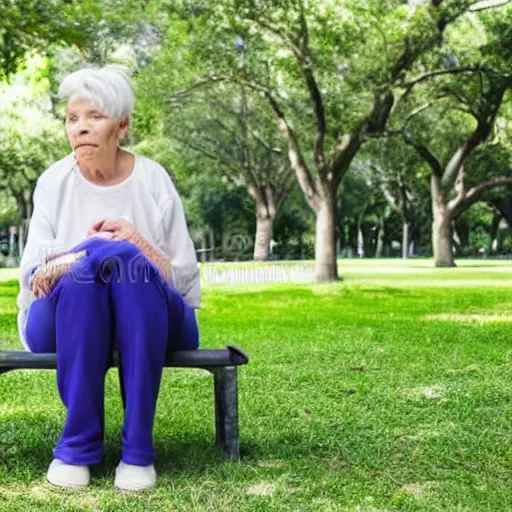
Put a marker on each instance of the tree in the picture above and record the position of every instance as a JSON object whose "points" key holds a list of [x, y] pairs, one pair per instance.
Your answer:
{"points": [[31, 25], [219, 213], [229, 129], [305, 57], [398, 173], [467, 100], [235, 132], [27, 148]]}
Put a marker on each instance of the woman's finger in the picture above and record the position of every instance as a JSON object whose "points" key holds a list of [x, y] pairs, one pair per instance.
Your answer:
{"points": [[110, 225], [97, 226]]}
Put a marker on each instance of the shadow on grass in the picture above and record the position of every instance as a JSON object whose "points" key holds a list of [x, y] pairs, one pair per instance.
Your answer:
{"points": [[190, 455], [27, 441]]}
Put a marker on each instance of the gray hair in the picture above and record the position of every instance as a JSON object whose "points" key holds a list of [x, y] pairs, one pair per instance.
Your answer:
{"points": [[109, 88]]}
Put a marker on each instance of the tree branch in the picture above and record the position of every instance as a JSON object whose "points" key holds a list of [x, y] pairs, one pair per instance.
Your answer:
{"points": [[460, 188], [376, 120], [467, 108], [440, 72], [344, 153], [281, 32], [245, 129], [502, 208], [264, 144], [389, 196], [212, 156], [306, 66], [295, 154], [475, 194], [215, 102], [408, 118], [488, 4], [178, 95], [414, 113], [228, 130], [300, 48], [415, 46], [425, 153], [485, 123]]}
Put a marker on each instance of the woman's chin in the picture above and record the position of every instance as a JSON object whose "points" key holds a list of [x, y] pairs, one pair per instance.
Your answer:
{"points": [[86, 154]]}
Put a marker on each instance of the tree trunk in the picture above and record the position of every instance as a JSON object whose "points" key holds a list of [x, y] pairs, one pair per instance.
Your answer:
{"points": [[380, 239], [204, 246], [21, 237], [441, 226], [405, 240], [493, 233], [442, 242], [264, 230], [212, 244], [225, 243], [360, 237], [326, 266], [442, 239]]}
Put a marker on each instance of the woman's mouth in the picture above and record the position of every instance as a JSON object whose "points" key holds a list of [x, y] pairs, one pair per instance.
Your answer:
{"points": [[85, 145]]}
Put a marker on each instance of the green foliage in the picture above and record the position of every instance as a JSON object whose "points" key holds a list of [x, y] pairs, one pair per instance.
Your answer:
{"points": [[32, 25], [194, 60], [491, 159], [31, 139], [497, 49]]}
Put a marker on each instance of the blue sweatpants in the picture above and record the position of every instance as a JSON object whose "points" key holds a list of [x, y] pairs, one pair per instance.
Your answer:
{"points": [[113, 298]]}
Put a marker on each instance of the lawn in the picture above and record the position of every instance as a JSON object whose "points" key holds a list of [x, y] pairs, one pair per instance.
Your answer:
{"points": [[391, 390]]}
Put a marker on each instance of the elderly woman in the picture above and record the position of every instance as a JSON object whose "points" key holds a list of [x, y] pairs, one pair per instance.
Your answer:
{"points": [[128, 279]]}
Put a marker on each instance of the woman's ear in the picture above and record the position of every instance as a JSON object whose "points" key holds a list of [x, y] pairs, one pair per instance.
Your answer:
{"points": [[124, 125]]}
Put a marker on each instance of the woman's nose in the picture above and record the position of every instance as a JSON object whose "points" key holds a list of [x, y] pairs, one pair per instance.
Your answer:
{"points": [[82, 126]]}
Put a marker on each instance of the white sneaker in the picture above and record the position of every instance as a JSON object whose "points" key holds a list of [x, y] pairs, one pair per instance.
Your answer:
{"points": [[68, 475], [134, 478]]}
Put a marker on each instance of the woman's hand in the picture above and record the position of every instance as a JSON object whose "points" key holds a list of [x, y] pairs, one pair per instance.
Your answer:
{"points": [[114, 229], [46, 278], [121, 229]]}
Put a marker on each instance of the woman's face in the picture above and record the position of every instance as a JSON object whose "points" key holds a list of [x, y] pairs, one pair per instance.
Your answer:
{"points": [[91, 133]]}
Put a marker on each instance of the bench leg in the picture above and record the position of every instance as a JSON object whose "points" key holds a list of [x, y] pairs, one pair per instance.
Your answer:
{"points": [[226, 411]]}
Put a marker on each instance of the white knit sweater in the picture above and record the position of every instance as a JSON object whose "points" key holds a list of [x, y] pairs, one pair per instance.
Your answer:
{"points": [[66, 204]]}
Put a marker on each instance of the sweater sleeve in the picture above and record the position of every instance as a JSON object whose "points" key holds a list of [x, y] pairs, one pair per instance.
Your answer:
{"points": [[178, 245], [40, 241]]}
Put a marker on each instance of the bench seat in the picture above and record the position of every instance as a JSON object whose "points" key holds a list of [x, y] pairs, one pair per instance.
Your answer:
{"points": [[222, 363]]}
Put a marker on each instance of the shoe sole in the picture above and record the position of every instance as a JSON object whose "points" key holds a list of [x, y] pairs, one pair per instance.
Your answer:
{"points": [[134, 489], [57, 483]]}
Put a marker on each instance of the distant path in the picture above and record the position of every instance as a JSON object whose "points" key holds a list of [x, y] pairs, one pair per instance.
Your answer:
{"points": [[7, 274], [364, 270]]}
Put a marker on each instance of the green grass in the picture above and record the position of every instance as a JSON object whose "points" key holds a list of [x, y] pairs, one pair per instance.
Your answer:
{"points": [[391, 390]]}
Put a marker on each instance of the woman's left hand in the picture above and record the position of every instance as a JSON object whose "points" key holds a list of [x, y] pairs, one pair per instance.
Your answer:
{"points": [[119, 229]]}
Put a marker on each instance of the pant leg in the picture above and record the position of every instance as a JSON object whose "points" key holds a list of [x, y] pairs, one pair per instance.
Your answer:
{"points": [[149, 318], [40, 328], [183, 331], [141, 334], [83, 326]]}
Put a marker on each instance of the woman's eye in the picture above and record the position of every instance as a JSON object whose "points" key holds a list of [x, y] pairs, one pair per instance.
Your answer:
{"points": [[97, 116]]}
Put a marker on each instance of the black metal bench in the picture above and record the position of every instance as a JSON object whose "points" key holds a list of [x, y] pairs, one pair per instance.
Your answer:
{"points": [[222, 363]]}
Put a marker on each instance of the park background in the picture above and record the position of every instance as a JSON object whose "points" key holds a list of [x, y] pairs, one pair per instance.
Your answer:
{"points": [[310, 141]]}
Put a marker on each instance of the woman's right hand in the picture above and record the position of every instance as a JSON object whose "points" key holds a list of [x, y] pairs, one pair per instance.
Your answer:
{"points": [[45, 279], [96, 230]]}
